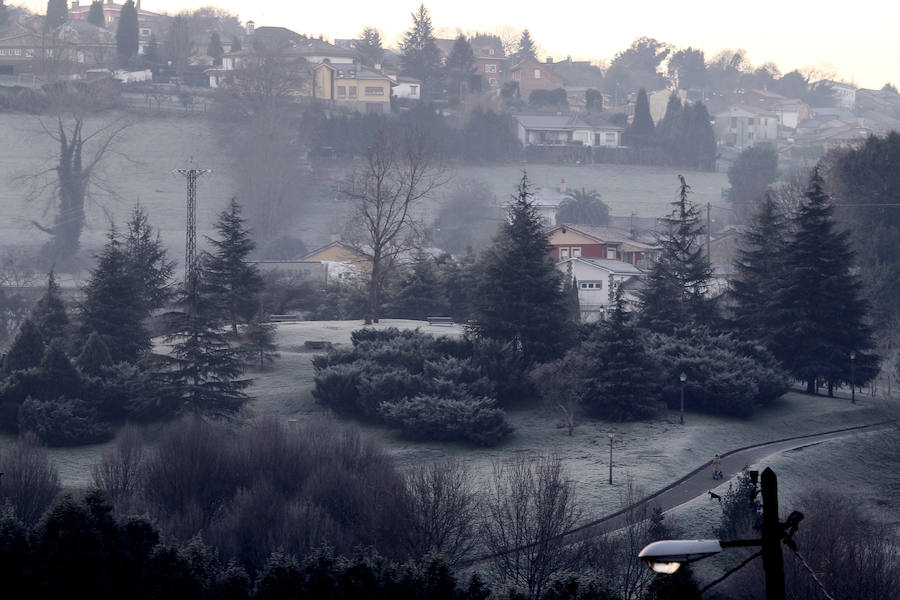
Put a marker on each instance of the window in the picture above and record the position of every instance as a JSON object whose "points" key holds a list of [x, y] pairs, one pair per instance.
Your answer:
{"points": [[490, 68], [341, 91], [353, 91], [750, 121], [611, 253], [563, 253], [492, 81], [611, 138], [491, 51], [414, 91], [537, 73], [372, 90], [591, 285], [145, 32], [576, 252]]}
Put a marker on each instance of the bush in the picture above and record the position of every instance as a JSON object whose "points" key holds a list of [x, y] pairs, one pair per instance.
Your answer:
{"points": [[475, 420], [337, 387], [63, 422], [30, 482]]}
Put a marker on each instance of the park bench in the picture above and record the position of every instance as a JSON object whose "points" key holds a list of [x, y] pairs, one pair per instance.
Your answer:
{"points": [[283, 318], [440, 320], [317, 345]]}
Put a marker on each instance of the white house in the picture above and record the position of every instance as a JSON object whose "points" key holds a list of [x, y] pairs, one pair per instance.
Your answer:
{"points": [[556, 130], [406, 87], [742, 126], [597, 280]]}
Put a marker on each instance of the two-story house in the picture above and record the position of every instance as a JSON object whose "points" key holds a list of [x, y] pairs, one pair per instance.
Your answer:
{"points": [[597, 242], [742, 126], [489, 62], [598, 280], [361, 90], [532, 75]]}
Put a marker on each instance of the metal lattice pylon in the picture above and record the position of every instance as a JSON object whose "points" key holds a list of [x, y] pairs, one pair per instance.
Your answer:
{"points": [[190, 240]]}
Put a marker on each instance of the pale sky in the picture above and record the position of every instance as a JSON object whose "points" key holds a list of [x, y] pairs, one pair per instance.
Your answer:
{"points": [[859, 40]]}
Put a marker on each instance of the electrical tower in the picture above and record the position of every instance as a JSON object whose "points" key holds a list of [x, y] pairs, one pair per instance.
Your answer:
{"points": [[190, 241]]}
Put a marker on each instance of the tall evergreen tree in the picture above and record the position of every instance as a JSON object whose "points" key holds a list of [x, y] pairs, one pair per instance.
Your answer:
{"points": [[519, 297], [419, 293], [49, 314], [754, 170], [622, 378], [640, 132], [94, 356], [460, 64], [670, 130], [527, 48], [236, 44], [421, 56], [214, 49], [127, 33], [231, 280], [204, 377], [27, 349], [369, 46], [259, 342], [759, 271], [821, 315], [113, 304], [698, 150], [95, 14], [148, 260], [676, 288], [57, 14]]}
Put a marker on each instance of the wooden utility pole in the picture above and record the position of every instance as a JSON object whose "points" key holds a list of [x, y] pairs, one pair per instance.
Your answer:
{"points": [[772, 534]]}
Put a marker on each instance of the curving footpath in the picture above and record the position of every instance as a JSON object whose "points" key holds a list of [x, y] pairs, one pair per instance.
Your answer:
{"points": [[699, 481]]}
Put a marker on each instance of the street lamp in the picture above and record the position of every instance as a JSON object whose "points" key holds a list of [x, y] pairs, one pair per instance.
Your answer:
{"points": [[612, 436], [682, 378], [668, 555], [852, 385]]}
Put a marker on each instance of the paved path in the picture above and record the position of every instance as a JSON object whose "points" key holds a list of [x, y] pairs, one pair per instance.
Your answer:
{"points": [[698, 482]]}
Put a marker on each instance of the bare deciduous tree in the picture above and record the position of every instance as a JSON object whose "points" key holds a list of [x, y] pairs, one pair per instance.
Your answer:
{"points": [[30, 482], [528, 507], [384, 192], [441, 510], [562, 383], [119, 471]]}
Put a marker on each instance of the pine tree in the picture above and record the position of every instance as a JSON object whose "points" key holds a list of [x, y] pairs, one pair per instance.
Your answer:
{"points": [[370, 47], [670, 130], [49, 314], [214, 49], [820, 315], [258, 343], [114, 306], [759, 270], [27, 349], [58, 374], [230, 279], [205, 369], [421, 56], [519, 297], [527, 48], [95, 15], [676, 287], [57, 14], [622, 378], [640, 132], [698, 150], [148, 260], [94, 356], [127, 33], [419, 293], [460, 63]]}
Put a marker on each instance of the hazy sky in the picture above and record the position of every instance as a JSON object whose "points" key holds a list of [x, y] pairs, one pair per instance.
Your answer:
{"points": [[858, 39]]}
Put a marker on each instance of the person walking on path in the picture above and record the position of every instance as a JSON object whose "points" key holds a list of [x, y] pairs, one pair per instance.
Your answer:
{"points": [[717, 467]]}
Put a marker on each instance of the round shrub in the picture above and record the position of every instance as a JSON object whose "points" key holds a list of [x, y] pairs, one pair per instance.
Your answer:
{"points": [[476, 420], [62, 422]]}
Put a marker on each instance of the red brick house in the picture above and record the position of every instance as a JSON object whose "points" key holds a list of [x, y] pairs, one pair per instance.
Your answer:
{"points": [[593, 241], [532, 75]]}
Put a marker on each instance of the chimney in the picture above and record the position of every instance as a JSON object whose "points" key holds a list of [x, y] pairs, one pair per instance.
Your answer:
{"points": [[251, 27], [549, 60]]}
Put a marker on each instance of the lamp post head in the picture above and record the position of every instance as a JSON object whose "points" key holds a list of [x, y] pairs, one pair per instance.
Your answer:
{"points": [[852, 355], [668, 555], [683, 377], [611, 436]]}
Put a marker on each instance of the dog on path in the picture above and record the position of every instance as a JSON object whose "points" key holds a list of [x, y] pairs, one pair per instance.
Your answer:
{"points": [[714, 496]]}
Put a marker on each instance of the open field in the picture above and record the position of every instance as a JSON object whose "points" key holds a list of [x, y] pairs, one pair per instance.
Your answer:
{"points": [[646, 455], [142, 169]]}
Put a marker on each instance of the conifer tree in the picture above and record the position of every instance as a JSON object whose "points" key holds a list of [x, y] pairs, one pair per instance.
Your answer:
{"points": [[759, 271], [204, 377], [698, 150], [27, 348], [94, 356], [460, 63], [148, 260], [421, 56], [640, 132], [670, 129], [820, 315], [676, 287], [370, 47], [236, 44], [49, 314], [419, 293], [214, 49], [519, 297], [60, 378], [95, 14], [57, 14], [230, 279], [527, 48], [622, 378], [258, 342], [114, 306], [127, 33]]}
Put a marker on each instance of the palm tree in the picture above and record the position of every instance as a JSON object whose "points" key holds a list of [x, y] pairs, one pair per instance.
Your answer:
{"points": [[583, 207]]}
